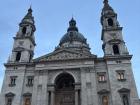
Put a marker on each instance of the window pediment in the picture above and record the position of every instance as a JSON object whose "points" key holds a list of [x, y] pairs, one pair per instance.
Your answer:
{"points": [[18, 49], [27, 94], [124, 90], [10, 94], [115, 41], [103, 91]]}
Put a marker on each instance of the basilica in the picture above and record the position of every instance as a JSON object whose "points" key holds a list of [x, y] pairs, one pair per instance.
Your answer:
{"points": [[71, 74]]}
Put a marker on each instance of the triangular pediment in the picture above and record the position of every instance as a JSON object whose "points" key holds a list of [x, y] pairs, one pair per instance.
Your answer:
{"points": [[61, 55], [124, 90], [18, 49]]}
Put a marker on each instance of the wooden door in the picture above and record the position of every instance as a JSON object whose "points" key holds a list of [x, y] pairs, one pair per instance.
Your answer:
{"points": [[64, 97]]}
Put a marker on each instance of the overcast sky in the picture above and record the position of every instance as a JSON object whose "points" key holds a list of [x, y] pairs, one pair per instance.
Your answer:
{"points": [[52, 17]]}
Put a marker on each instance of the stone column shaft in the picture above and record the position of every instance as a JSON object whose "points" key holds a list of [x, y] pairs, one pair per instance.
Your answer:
{"points": [[52, 98], [76, 97]]}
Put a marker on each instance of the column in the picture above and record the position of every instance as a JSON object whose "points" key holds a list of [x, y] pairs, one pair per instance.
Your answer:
{"points": [[77, 88], [51, 89], [52, 98], [76, 97]]}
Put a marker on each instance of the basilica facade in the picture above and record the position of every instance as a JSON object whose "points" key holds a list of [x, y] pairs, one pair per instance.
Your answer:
{"points": [[71, 74]]}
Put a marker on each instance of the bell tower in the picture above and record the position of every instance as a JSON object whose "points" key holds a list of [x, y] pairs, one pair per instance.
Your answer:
{"points": [[113, 43], [24, 41]]}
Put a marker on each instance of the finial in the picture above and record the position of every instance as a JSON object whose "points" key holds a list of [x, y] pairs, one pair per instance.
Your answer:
{"points": [[105, 1], [72, 22], [30, 9], [72, 17], [28, 16]]}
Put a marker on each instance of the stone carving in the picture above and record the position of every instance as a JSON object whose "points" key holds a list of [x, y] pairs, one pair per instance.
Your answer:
{"points": [[62, 55]]}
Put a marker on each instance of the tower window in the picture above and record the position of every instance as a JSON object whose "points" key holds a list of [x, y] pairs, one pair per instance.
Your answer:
{"points": [[125, 100], [9, 101], [29, 81], [121, 75], [27, 98], [9, 98], [105, 100], [125, 96], [101, 77], [110, 22], [30, 58], [27, 101], [18, 56], [24, 30], [12, 81], [116, 49]]}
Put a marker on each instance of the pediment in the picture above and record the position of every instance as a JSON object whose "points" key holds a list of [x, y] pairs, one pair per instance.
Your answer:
{"points": [[10, 94], [27, 94], [18, 49], [124, 90], [115, 41], [103, 91], [61, 55]]}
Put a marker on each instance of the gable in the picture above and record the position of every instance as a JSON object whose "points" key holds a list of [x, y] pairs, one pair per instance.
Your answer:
{"points": [[61, 55]]}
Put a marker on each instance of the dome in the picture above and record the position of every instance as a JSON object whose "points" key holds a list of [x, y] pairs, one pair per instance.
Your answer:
{"points": [[72, 36]]}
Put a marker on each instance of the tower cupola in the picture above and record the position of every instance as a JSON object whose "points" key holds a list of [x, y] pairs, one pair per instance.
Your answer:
{"points": [[24, 41], [109, 17], [113, 43], [28, 17]]}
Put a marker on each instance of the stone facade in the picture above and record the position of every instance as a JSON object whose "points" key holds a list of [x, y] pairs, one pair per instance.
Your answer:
{"points": [[70, 75]]}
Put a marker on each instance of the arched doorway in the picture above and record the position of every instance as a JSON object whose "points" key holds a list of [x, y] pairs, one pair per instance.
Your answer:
{"points": [[64, 89]]}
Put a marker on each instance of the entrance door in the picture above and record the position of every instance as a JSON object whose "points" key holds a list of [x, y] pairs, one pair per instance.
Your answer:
{"points": [[64, 98], [64, 92]]}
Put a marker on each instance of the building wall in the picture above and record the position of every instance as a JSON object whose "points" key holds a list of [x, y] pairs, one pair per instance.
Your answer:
{"points": [[84, 72]]}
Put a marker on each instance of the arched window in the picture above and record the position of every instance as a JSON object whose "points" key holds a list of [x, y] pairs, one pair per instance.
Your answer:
{"points": [[18, 56], [24, 30], [125, 100], [110, 22], [64, 81], [116, 49], [105, 100]]}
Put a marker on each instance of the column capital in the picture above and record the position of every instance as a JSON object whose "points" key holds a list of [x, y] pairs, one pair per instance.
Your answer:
{"points": [[51, 87], [77, 85]]}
